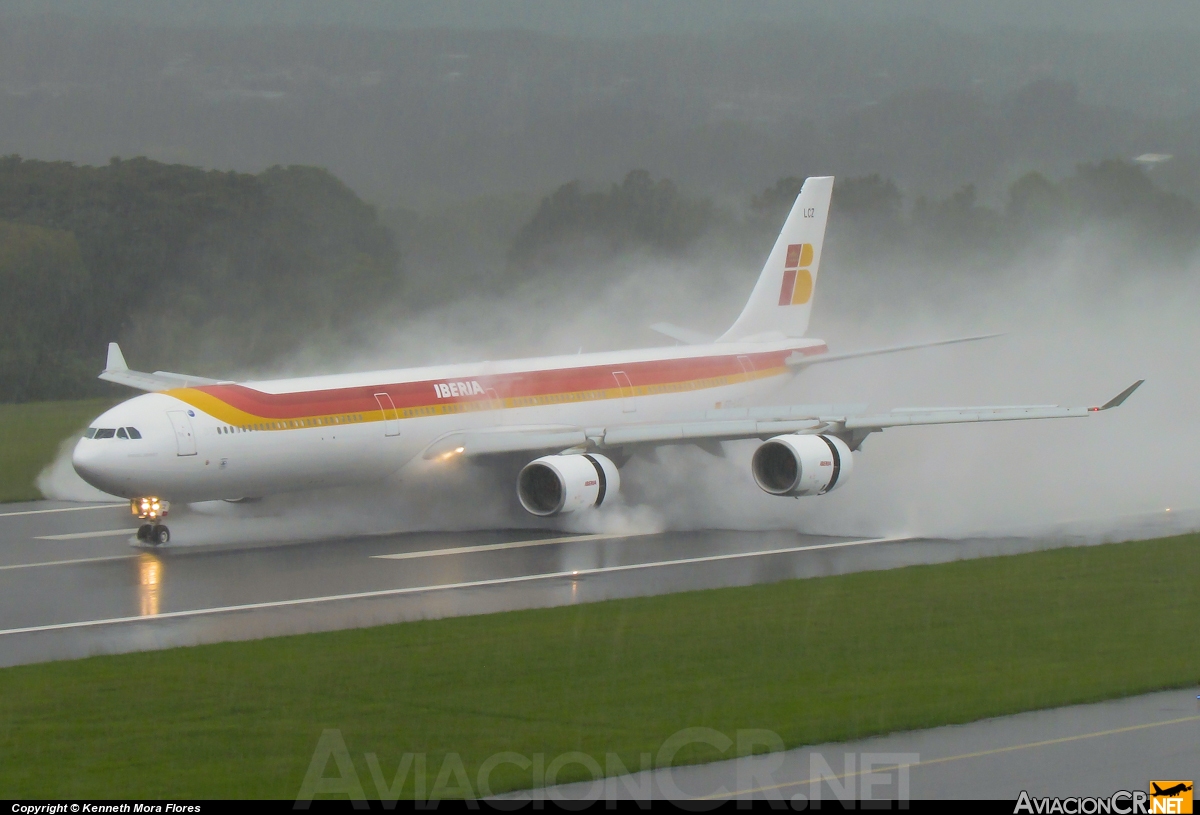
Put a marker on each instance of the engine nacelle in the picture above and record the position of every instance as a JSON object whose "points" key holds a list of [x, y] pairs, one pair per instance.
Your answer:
{"points": [[801, 465], [554, 484]]}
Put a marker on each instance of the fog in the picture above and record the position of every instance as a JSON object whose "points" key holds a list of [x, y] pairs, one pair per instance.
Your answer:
{"points": [[453, 120], [1071, 338], [422, 104], [1068, 341]]}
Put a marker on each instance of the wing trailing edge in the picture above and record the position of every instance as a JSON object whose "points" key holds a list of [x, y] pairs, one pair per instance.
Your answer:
{"points": [[708, 427]]}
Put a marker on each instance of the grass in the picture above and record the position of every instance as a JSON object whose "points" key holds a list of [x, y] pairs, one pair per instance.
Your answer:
{"points": [[831, 658], [29, 437]]}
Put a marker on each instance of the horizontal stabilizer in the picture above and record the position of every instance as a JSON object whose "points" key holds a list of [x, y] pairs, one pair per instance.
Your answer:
{"points": [[684, 335], [117, 371], [798, 360]]}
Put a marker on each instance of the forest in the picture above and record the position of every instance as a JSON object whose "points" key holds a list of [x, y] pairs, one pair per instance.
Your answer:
{"points": [[163, 255], [193, 267]]}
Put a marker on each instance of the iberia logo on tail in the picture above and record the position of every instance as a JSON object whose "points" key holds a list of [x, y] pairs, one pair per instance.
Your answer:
{"points": [[797, 279]]}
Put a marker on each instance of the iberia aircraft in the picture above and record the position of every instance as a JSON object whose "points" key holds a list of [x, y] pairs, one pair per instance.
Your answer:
{"points": [[577, 417]]}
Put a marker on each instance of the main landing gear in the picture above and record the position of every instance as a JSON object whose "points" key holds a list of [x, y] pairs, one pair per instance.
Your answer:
{"points": [[152, 510]]}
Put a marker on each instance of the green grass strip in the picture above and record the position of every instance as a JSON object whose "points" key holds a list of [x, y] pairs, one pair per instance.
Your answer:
{"points": [[29, 437], [814, 660]]}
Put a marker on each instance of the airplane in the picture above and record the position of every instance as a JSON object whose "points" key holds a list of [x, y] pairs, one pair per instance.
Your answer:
{"points": [[1170, 792], [577, 417]]}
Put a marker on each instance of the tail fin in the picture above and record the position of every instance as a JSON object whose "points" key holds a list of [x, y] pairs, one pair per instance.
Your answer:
{"points": [[782, 299]]}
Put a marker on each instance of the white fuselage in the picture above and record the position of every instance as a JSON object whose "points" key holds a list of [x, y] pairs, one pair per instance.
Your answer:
{"points": [[251, 439]]}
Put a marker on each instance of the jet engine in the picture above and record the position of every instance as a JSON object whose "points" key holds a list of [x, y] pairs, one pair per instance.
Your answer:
{"points": [[553, 484], [801, 465]]}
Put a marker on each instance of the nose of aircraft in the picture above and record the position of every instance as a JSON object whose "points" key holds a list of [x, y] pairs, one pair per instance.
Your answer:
{"points": [[88, 460]]}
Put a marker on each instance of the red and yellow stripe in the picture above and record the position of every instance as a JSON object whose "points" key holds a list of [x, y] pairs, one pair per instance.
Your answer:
{"points": [[238, 405]]}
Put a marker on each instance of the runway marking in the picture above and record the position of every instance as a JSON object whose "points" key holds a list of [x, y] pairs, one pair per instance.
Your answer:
{"points": [[66, 562], [960, 757], [472, 584], [60, 509], [491, 547], [104, 533]]}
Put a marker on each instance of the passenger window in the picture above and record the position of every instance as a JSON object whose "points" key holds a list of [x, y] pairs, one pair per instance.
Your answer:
{"points": [[105, 433], [133, 433], [121, 434]]}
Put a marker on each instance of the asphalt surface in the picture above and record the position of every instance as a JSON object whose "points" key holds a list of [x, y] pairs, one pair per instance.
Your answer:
{"points": [[73, 583]]}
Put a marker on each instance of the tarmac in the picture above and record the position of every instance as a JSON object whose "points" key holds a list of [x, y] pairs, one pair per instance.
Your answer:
{"points": [[73, 583]]}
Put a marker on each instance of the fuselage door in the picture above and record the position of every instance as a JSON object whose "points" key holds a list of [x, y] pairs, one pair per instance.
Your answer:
{"points": [[628, 403], [391, 420], [747, 366], [185, 439]]}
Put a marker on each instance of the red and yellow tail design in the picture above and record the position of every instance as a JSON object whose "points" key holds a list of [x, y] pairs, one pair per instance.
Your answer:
{"points": [[790, 274], [797, 282]]}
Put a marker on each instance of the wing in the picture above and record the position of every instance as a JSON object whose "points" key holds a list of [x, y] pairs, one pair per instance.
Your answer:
{"points": [[846, 421], [117, 371]]}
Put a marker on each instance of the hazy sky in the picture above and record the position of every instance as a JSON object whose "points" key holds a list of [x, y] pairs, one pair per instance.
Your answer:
{"points": [[629, 17]]}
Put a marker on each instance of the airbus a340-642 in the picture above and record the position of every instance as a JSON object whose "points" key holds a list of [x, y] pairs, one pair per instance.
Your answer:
{"points": [[577, 417]]}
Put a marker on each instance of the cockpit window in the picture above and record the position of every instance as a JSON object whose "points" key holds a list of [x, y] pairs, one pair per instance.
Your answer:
{"points": [[89, 433], [104, 433], [121, 434], [133, 433]]}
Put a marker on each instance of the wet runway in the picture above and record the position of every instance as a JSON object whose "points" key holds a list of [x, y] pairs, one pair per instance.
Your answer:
{"points": [[71, 585], [1083, 750]]}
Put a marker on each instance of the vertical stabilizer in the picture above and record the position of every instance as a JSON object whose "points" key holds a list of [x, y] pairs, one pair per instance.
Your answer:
{"points": [[781, 301]]}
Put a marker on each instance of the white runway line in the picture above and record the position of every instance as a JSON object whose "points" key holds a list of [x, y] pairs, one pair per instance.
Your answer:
{"points": [[491, 547], [104, 533], [60, 509], [66, 562], [473, 584]]}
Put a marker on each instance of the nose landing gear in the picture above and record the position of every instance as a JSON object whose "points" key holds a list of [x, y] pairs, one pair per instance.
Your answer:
{"points": [[153, 511]]}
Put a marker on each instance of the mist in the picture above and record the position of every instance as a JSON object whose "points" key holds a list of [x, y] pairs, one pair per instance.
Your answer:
{"points": [[1079, 328], [1071, 339], [438, 130]]}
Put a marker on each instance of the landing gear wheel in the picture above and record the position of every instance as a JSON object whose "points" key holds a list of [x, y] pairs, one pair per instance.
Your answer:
{"points": [[144, 532], [160, 535]]}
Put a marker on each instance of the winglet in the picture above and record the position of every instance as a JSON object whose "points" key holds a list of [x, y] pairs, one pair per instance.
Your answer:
{"points": [[1120, 398], [115, 370], [116, 360]]}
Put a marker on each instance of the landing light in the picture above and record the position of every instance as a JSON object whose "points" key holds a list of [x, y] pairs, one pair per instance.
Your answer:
{"points": [[148, 509]]}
